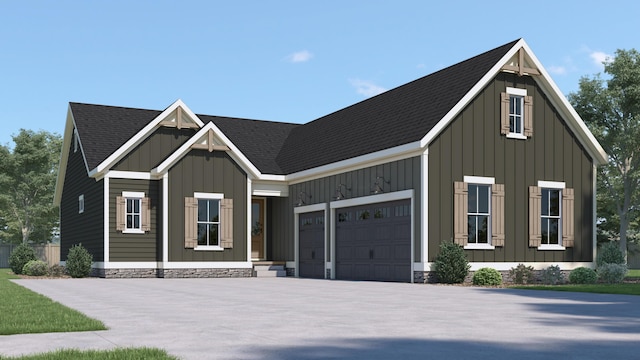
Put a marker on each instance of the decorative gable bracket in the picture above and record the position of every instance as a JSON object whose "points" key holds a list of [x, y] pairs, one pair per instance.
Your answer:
{"points": [[179, 120], [207, 143], [519, 65]]}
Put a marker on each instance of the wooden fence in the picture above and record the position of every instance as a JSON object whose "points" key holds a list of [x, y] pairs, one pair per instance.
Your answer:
{"points": [[49, 253]]}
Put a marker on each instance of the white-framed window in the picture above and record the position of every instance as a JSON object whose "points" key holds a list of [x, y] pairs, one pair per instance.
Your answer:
{"points": [[133, 211], [208, 222], [551, 219], [516, 105], [516, 114], [479, 214], [81, 204], [551, 224]]}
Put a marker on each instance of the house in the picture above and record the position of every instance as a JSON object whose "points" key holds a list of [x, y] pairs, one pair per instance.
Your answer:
{"points": [[487, 153]]}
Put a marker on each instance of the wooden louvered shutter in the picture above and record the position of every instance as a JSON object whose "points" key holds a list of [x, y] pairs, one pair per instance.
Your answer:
{"points": [[535, 214], [504, 113], [226, 223], [190, 222], [497, 215], [146, 214], [460, 207], [528, 116], [121, 205], [567, 218]]}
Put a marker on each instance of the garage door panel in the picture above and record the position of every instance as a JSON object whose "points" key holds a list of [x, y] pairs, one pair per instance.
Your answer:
{"points": [[311, 245]]}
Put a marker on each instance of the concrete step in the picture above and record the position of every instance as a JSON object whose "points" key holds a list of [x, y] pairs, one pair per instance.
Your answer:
{"points": [[270, 273], [268, 267]]}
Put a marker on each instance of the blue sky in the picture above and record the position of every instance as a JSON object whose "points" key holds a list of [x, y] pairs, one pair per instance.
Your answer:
{"points": [[290, 61]]}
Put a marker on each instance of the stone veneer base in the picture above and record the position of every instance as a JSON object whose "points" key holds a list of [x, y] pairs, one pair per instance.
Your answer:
{"points": [[170, 273]]}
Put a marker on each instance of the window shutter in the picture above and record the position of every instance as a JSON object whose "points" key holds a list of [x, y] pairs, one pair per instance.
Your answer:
{"points": [[460, 207], [121, 204], [226, 223], [146, 214], [190, 222], [567, 218], [497, 215], [504, 113], [528, 116], [535, 213]]}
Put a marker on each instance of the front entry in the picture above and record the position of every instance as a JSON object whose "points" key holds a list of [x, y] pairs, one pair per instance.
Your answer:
{"points": [[257, 229]]}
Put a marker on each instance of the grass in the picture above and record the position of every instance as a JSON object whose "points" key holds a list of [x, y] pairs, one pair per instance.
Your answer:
{"points": [[116, 354], [26, 312], [623, 289], [634, 273]]}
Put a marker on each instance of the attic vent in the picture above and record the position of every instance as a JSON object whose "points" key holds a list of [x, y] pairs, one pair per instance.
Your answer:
{"points": [[520, 65], [207, 142], [180, 120]]}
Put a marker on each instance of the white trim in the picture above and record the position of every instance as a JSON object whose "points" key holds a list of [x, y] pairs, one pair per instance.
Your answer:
{"points": [[551, 184], [202, 195], [135, 175], [424, 207], [594, 214], [551, 246], [516, 136], [270, 189], [81, 204], [516, 91], [474, 246], [506, 266], [290, 264], [480, 180], [132, 231], [208, 248], [133, 194], [372, 199], [248, 219], [310, 208], [106, 218], [165, 218]]}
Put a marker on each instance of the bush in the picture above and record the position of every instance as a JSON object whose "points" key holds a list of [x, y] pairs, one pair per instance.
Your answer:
{"points": [[612, 273], [583, 275], [79, 261], [56, 270], [552, 275], [521, 274], [35, 268], [20, 257], [609, 253], [451, 265], [487, 276]]}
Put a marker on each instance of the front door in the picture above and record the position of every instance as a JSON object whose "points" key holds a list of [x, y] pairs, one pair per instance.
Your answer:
{"points": [[257, 229]]}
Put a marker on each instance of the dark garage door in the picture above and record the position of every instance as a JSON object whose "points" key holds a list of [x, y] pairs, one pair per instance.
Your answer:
{"points": [[373, 242], [311, 245]]}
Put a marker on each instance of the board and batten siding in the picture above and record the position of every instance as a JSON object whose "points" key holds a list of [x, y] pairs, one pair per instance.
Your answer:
{"points": [[401, 175], [154, 149], [86, 228], [208, 172], [136, 247], [472, 145]]}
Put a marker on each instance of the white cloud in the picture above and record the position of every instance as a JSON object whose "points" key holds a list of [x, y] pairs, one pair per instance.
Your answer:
{"points": [[599, 57], [366, 88], [300, 56], [557, 70]]}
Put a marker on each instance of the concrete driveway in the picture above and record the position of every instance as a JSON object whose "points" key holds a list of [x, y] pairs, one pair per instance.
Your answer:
{"points": [[288, 318]]}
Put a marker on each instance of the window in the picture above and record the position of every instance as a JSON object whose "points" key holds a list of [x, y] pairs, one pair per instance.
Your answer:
{"points": [[133, 213], [75, 140], [208, 222], [516, 118], [81, 204], [551, 219], [478, 213]]}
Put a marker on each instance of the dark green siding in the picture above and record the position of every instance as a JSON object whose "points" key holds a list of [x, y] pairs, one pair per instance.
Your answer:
{"points": [[86, 228], [472, 145], [402, 174], [216, 172], [154, 149], [136, 247]]}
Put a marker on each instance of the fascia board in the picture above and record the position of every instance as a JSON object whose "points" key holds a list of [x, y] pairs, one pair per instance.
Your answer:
{"points": [[143, 134]]}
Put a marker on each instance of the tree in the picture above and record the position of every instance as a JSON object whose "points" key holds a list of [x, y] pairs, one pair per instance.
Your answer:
{"points": [[27, 183], [611, 110]]}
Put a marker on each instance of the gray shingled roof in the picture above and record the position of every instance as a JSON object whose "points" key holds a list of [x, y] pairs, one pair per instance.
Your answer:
{"points": [[399, 116]]}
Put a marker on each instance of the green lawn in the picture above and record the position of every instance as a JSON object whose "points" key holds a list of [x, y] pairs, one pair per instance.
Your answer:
{"points": [[25, 312], [116, 354], [634, 273], [625, 289]]}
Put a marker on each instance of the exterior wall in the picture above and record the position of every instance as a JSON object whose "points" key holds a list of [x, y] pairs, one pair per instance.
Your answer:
{"points": [[472, 145], [154, 149], [136, 247], [402, 174], [86, 228], [216, 172]]}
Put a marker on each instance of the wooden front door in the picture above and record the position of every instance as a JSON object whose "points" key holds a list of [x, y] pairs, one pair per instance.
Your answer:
{"points": [[257, 229]]}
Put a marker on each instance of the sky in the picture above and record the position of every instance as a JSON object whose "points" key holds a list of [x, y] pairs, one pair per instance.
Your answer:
{"points": [[290, 61]]}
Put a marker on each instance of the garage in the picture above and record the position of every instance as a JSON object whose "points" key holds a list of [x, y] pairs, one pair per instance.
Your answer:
{"points": [[373, 242], [311, 245]]}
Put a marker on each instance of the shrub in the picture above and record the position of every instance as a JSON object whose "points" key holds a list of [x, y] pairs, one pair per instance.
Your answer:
{"points": [[451, 265], [612, 273], [487, 276], [521, 274], [609, 253], [56, 270], [552, 275], [79, 261], [35, 268], [583, 275], [20, 257]]}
